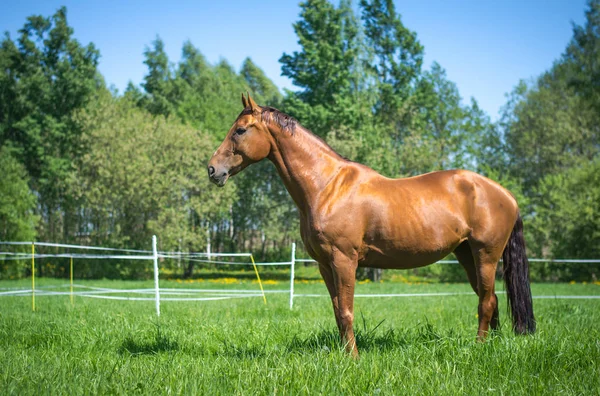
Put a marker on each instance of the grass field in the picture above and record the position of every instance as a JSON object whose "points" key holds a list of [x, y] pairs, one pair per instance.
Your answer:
{"points": [[408, 345]]}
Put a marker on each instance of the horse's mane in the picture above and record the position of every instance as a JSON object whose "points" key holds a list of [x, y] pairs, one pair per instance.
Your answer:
{"points": [[285, 122], [270, 114]]}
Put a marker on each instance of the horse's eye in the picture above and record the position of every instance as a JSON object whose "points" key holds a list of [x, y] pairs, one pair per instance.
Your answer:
{"points": [[240, 131]]}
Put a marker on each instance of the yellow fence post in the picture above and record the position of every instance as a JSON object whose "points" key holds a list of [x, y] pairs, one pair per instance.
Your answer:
{"points": [[258, 277]]}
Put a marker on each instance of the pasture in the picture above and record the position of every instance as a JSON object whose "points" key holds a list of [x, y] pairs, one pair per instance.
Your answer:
{"points": [[408, 345]]}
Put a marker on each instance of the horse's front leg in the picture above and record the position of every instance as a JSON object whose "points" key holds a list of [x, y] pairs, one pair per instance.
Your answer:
{"points": [[327, 274], [344, 271]]}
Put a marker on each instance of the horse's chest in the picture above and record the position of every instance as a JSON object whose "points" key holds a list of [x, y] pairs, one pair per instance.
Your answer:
{"points": [[314, 239]]}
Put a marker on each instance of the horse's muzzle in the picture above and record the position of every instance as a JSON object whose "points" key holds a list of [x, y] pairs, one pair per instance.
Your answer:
{"points": [[218, 178]]}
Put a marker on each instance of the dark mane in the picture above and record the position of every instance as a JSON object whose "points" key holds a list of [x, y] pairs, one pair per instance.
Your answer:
{"points": [[287, 123], [284, 121], [270, 114]]}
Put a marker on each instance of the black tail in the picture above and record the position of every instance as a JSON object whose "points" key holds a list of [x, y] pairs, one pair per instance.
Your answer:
{"points": [[516, 278]]}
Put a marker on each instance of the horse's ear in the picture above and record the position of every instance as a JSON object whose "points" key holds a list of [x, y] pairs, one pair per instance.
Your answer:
{"points": [[252, 103], [244, 101]]}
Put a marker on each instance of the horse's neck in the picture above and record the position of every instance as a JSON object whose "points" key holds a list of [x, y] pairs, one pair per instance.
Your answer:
{"points": [[305, 163]]}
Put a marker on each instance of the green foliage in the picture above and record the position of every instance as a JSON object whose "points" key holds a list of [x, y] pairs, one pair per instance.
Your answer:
{"points": [[114, 170], [17, 202], [148, 161], [198, 93], [145, 176], [547, 129], [208, 97], [582, 56], [568, 219], [326, 67], [18, 220], [45, 76], [552, 136], [398, 56], [158, 82], [441, 132], [260, 85], [572, 207]]}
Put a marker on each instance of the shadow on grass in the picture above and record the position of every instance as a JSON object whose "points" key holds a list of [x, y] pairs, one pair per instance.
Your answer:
{"points": [[376, 339], [243, 352], [160, 343], [329, 340]]}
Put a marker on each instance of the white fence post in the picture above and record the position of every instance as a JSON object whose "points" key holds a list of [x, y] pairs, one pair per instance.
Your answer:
{"points": [[293, 263], [208, 241], [156, 289]]}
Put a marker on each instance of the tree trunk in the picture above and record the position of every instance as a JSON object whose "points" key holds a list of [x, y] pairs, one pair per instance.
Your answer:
{"points": [[189, 269], [372, 274], [375, 274]]}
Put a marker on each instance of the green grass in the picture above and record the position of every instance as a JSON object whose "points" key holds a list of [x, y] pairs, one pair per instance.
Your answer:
{"points": [[416, 345]]}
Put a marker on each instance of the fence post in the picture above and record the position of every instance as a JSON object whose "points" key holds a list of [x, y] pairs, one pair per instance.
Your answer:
{"points": [[71, 278], [156, 289], [208, 241], [292, 263], [33, 276]]}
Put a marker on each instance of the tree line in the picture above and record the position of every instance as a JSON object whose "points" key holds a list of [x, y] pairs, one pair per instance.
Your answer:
{"points": [[82, 163]]}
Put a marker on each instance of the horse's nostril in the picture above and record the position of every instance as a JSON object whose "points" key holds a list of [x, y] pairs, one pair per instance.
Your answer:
{"points": [[211, 171]]}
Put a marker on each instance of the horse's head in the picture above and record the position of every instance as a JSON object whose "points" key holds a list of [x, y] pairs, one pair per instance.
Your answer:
{"points": [[248, 141]]}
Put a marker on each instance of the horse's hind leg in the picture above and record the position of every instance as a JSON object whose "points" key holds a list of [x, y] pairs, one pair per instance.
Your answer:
{"points": [[465, 258], [485, 265]]}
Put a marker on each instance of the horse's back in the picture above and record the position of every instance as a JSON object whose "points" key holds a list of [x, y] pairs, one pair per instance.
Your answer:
{"points": [[477, 199], [424, 218], [410, 222]]}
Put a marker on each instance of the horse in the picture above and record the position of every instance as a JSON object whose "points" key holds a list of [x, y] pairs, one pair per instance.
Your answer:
{"points": [[351, 216]]}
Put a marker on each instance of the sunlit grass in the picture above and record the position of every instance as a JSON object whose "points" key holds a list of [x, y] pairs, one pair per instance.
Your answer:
{"points": [[408, 345]]}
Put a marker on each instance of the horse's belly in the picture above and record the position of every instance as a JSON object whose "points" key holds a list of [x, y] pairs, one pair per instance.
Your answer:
{"points": [[402, 259], [418, 238]]}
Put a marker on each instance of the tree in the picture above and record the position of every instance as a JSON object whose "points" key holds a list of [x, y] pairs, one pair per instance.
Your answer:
{"points": [[18, 220], [46, 76], [547, 128], [568, 219], [552, 123], [207, 97], [552, 145], [260, 85], [17, 203], [582, 57], [158, 82], [363, 90], [397, 52], [144, 176], [325, 66]]}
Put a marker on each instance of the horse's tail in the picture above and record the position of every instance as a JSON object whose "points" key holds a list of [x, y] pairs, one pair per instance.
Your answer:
{"points": [[516, 278]]}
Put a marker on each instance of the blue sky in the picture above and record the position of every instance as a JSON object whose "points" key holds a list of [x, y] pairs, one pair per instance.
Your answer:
{"points": [[485, 46]]}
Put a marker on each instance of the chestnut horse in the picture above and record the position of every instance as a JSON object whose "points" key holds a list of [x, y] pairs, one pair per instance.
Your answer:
{"points": [[351, 216]]}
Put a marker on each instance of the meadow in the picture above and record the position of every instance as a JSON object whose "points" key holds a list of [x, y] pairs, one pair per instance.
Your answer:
{"points": [[408, 345]]}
